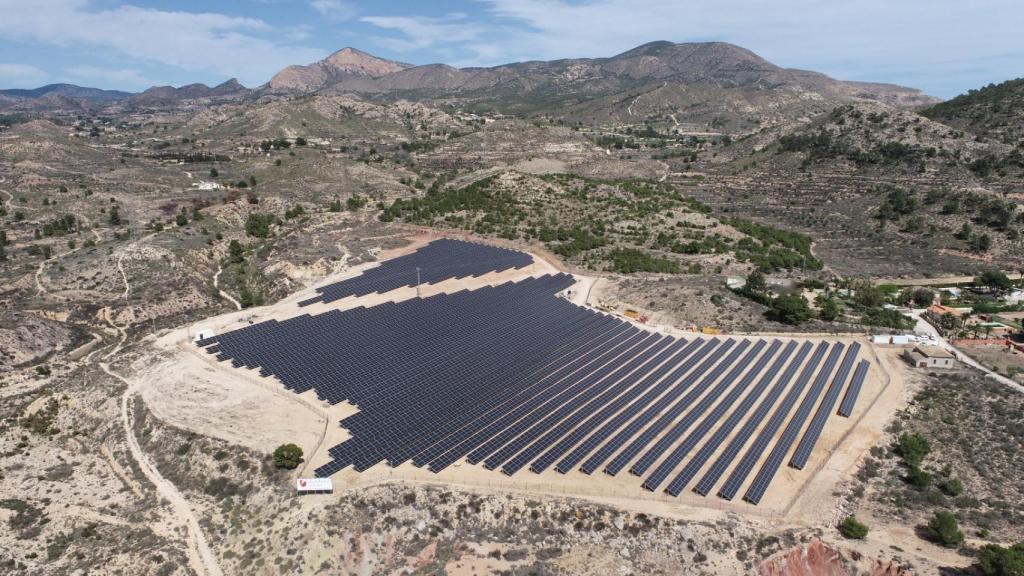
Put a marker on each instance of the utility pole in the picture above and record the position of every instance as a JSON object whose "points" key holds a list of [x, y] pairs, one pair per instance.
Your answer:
{"points": [[417, 281]]}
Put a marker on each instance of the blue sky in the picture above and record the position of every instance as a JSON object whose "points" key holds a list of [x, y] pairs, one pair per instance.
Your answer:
{"points": [[942, 46]]}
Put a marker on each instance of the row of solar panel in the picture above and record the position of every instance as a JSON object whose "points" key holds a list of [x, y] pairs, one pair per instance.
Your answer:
{"points": [[439, 260], [512, 376]]}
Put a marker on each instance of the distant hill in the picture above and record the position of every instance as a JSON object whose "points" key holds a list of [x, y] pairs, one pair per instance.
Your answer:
{"points": [[71, 98], [68, 90], [169, 95], [347, 62], [876, 138], [995, 111], [695, 82]]}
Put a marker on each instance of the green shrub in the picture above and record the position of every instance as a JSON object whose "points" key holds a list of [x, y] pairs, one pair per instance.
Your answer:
{"points": [[236, 254], [919, 478], [288, 456], [923, 297], [631, 260], [995, 560], [944, 530], [355, 203], [913, 448], [853, 528], [994, 279], [247, 298], [952, 487], [829, 309], [885, 318], [789, 309], [258, 225], [756, 282]]}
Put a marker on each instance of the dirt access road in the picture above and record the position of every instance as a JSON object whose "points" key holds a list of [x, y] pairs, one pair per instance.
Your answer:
{"points": [[201, 557], [937, 281], [199, 552]]}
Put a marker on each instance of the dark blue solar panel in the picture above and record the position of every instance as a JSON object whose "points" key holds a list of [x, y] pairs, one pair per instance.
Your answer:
{"points": [[771, 465], [492, 452], [550, 426], [652, 430], [594, 411], [810, 438], [454, 447], [698, 410], [754, 451], [650, 385], [711, 419], [850, 400], [653, 386], [704, 454], [636, 423], [439, 260], [512, 375]]}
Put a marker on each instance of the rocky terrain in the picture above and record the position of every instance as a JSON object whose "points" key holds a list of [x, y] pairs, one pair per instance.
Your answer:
{"points": [[992, 112], [666, 170]]}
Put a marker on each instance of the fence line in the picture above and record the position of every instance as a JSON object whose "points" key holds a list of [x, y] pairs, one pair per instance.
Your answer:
{"points": [[580, 491]]}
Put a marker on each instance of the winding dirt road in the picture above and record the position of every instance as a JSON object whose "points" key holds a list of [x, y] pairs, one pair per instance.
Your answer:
{"points": [[200, 555], [223, 294]]}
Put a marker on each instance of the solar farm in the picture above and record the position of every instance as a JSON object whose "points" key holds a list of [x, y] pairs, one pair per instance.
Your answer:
{"points": [[513, 379]]}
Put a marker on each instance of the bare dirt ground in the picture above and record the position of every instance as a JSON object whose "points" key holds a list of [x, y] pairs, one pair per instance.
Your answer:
{"points": [[198, 550], [1002, 359]]}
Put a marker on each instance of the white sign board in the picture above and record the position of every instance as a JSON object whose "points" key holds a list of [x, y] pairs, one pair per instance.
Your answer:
{"points": [[314, 485]]}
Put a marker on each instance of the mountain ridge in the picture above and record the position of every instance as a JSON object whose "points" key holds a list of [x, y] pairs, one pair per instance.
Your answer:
{"points": [[70, 90], [719, 64], [170, 94], [710, 81]]}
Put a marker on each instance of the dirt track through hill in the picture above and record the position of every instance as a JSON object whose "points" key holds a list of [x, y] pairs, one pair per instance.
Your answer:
{"points": [[223, 294], [200, 556]]}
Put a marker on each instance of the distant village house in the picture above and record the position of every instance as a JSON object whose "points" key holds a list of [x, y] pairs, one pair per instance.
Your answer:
{"points": [[924, 356]]}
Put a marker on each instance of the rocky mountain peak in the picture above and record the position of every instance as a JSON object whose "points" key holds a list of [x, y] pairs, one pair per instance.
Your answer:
{"points": [[353, 61], [346, 62]]}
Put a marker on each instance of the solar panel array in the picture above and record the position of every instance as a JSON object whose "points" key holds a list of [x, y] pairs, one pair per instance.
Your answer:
{"points": [[439, 260], [850, 400], [514, 377]]}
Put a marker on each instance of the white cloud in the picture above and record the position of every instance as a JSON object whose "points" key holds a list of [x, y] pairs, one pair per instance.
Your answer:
{"points": [[21, 76], [425, 32], [334, 9], [298, 33], [217, 43], [97, 76]]}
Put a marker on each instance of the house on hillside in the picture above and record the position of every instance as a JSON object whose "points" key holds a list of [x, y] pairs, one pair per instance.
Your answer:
{"points": [[924, 356], [938, 311], [735, 282], [950, 292], [1015, 297]]}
